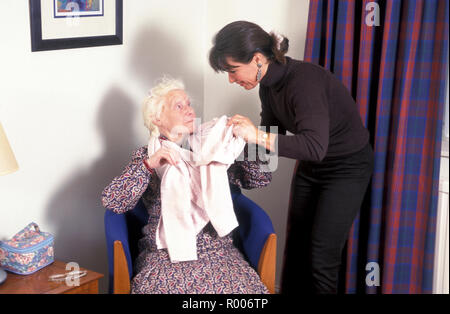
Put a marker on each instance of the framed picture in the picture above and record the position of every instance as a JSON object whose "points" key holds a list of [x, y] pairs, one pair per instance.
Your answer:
{"points": [[64, 24]]}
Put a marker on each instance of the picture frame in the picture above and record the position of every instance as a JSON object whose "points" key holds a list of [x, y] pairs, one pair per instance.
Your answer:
{"points": [[86, 27]]}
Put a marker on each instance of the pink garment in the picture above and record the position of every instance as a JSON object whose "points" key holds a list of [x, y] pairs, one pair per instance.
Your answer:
{"points": [[196, 190]]}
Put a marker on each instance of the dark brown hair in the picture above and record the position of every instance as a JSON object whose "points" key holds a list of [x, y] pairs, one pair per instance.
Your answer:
{"points": [[240, 40]]}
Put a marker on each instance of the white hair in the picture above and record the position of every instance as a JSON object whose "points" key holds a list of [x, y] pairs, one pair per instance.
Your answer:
{"points": [[153, 103]]}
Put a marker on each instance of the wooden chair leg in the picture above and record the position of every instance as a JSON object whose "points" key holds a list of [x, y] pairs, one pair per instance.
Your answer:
{"points": [[267, 263], [121, 276]]}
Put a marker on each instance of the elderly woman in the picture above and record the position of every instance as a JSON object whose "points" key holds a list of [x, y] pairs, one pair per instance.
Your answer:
{"points": [[219, 267]]}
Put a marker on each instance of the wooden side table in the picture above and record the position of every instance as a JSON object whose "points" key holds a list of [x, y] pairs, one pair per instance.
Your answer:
{"points": [[38, 282]]}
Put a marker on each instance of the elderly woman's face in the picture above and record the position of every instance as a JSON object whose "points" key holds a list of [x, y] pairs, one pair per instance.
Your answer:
{"points": [[177, 116]]}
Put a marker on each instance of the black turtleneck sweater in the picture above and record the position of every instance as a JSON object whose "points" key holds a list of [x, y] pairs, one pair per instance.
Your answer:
{"points": [[310, 102]]}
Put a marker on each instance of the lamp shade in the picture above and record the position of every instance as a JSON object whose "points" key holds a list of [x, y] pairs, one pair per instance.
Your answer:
{"points": [[8, 162]]}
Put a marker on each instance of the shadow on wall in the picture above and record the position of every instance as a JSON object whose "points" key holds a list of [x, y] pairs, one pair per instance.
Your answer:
{"points": [[155, 53], [76, 208], [151, 56]]}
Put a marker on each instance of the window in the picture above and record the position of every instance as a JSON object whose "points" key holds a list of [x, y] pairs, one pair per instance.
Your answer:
{"points": [[441, 260]]}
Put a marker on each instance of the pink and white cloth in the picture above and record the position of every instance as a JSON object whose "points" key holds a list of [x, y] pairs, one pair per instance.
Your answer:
{"points": [[196, 191]]}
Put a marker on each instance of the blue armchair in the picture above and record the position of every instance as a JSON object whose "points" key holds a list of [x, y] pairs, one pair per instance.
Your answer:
{"points": [[255, 237]]}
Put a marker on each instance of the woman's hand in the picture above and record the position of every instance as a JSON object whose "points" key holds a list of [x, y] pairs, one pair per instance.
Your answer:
{"points": [[162, 156], [243, 127]]}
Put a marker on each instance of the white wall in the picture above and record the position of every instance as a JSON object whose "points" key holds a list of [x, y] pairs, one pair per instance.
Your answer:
{"points": [[73, 116]]}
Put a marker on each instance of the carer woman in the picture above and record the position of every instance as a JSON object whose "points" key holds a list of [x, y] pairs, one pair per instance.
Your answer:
{"points": [[329, 141]]}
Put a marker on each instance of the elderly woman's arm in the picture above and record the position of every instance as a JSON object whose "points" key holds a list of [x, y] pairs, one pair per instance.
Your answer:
{"points": [[123, 193], [248, 173]]}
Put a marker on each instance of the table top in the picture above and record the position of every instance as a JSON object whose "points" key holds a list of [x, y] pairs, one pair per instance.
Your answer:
{"points": [[38, 282]]}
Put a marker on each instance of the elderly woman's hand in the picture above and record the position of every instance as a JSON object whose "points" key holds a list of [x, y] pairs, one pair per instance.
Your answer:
{"points": [[162, 156], [243, 127]]}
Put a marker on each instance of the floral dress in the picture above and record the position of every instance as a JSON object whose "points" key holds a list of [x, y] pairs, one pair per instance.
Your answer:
{"points": [[220, 267]]}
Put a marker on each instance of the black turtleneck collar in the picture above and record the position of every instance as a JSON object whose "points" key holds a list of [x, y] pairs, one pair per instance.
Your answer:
{"points": [[275, 73]]}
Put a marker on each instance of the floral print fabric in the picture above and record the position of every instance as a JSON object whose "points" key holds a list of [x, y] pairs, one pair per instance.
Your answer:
{"points": [[28, 251]]}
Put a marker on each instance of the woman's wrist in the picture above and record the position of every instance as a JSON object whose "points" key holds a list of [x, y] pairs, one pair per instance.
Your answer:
{"points": [[147, 165], [266, 140]]}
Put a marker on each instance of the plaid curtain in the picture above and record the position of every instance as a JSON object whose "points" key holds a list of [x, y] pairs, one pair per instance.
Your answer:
{"points": [[393, 57]]}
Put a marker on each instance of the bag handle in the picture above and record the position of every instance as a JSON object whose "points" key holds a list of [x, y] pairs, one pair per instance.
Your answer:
{"points": [[27, 229]]}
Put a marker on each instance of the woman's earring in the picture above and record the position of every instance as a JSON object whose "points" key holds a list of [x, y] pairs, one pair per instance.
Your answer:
{"points": [[258, 74]]}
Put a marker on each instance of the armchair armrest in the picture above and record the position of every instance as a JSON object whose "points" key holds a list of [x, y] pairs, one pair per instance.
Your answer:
{"points": [[257, 237], [121, 274], [116, 230]]}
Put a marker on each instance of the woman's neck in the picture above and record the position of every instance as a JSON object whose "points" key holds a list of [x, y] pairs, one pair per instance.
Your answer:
{"points": [[178, 138]]}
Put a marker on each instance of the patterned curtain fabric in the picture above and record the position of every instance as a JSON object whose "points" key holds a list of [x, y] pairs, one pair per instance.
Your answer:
{"points": [[393, 57]]}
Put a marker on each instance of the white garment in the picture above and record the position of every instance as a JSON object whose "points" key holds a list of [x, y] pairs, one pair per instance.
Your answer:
{"points": [[196, 191]]}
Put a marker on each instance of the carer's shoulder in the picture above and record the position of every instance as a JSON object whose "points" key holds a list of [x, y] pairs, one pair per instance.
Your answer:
{"points": [[305, 73], [307, 67]]}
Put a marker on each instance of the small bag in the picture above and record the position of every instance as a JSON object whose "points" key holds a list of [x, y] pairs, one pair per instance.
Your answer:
{"points": [[28, 251]]}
